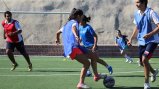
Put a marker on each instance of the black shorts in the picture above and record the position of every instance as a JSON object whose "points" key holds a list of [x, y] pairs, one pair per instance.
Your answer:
{"points": [[147, 50], [19, 46]]}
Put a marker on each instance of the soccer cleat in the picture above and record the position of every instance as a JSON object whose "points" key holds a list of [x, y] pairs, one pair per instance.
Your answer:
{"points": [[82, 86], [14, 66], [147, 86], [110, 69], [30, 67], [153, 76], [88, 74]]}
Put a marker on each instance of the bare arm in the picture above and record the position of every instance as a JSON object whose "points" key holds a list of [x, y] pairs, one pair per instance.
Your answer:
{"points": [[14, 33], [75, 33], [58, 37], [134, 34], [156, 30], [95, 42], [4, 35]]}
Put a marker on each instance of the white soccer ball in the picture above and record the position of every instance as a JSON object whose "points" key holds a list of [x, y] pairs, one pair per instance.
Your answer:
{"points": [[108, 81]]}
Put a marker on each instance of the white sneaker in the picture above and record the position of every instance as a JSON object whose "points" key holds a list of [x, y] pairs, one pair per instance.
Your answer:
{"points": [[127, 60], [82, 86], [130, 60], [153, 76], [147, 86], [138, 62]]}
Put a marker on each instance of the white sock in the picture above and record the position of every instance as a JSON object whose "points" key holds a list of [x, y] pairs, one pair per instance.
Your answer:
{"points": [[127, 57]]}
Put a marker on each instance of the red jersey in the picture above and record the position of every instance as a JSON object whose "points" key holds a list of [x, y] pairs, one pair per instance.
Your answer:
{"points": [[10, 27]]}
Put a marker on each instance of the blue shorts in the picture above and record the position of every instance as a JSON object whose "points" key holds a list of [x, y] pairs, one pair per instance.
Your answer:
{"points": [[19, 46], [147, 50]]}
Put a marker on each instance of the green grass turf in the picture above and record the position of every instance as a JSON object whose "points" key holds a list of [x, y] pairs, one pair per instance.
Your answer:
{"points": [[54, 73]]}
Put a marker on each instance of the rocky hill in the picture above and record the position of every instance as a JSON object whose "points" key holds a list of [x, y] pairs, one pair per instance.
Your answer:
{"points": [[107, 16]]}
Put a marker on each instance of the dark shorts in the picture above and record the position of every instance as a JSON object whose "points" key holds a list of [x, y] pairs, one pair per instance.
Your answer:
{"points": [[90, 48], [19, 46], [147, 50]]}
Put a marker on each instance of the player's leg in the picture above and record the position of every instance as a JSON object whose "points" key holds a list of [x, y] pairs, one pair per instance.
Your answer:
{"points": [[128, 58], [9, 51], [150, 47], [21, 48], [81, 58], [146, 68], [103, 63], [89, 54], [141, 52]]}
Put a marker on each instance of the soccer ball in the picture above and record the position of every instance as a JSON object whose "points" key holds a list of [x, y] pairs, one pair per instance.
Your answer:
{"points": [[108, 81]]}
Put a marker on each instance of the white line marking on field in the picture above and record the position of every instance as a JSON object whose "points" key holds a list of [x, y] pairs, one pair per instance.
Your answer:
{"points": [[45, 75], [62, 68]]}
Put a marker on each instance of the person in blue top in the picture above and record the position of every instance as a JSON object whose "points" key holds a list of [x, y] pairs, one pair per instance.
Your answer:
{"points": [[89, 40], [146, 30], [121, 41], [72, 48]]}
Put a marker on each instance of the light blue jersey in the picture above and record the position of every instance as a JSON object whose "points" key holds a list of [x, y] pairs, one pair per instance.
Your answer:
{"points": [[144, 23], [121, 41], [69, 40], [87, 35]]}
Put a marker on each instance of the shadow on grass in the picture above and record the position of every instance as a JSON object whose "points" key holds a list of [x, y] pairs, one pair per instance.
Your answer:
{"points": [[132, 88], [70, 71], [127, 88], [128, 76], [63, 71]]}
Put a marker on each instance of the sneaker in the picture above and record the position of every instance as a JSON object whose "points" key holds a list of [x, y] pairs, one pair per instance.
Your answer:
{"points": [[110, 69], [82, 86], [88, 74], [153, 76], [130, 60], [126, 60], [100, 76], [147, 86], [14, 66], [30, 67], [139, 63]]}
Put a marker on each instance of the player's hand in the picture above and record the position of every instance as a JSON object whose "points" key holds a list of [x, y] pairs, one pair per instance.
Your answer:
{"points": [[129, 43], [94, 48], [78, 39], [11, 34], [147, 36], [57, 42]]}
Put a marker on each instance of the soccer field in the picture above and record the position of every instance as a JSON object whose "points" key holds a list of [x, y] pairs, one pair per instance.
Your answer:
{"points": [[55, 73]]}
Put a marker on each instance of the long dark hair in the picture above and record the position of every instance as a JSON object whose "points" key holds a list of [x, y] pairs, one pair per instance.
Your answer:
{"points": [[85, 18], [74, 13], [7, 12], [144, 1]]}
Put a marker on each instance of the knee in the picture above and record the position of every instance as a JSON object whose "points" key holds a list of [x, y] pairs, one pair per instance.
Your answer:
{"points": [[8, 52], [144, 61]]}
